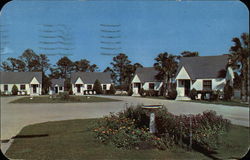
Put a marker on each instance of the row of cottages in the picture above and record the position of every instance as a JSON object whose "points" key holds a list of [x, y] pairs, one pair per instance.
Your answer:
{"points": [[201, 73], [83, 82], [29, 83]]}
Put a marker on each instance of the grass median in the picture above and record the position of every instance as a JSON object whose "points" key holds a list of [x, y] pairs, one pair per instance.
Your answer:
{"points": [[74, 139], [220, 102], [71, 99]]}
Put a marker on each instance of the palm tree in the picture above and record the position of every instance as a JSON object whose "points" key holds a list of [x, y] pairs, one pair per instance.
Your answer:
{"points": [[240, 58], [167, 65]]}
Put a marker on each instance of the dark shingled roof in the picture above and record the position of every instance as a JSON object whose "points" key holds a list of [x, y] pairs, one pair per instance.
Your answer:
{"points": [[146, 74], [59, 82], [91, 77], [19, 77], [203, 67]]}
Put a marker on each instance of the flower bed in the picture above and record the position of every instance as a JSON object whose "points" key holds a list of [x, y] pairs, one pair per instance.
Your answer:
{"points": [[128, 129]]}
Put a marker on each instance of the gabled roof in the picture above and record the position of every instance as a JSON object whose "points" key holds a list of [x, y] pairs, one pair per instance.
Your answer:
{"points": [[146, 74], [19, 77], [204, 66], [91, 77], [59, 82]]}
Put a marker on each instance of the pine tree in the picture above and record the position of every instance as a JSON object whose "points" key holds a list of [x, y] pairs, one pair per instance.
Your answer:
{"points": [[14, 90], [97, 87], [112, 89]]}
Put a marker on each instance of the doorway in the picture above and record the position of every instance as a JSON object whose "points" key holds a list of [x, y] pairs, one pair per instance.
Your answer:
{"points": [[56, 89], [78, 88], [34, 86], [187, 87]]}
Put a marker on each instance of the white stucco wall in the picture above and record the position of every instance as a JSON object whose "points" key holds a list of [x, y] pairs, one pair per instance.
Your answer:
{"points": [[84, 87], [28, 88], [136, 79], [183, 74], [52, 90], [217, 84], [79, 81], [157, 85], [145, 86]]}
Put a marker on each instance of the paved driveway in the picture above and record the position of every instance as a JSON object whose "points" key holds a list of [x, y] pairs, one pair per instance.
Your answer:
{"points": [[15, 116]]}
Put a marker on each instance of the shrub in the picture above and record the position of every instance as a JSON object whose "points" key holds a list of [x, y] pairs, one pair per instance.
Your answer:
{"points": [[14, 90], [112, 89], [128, 129], [64, 95], [162, 91], [142, 92], [228, 92], [172, 94], [97, 87], [193, 94], [70, 91], [151, 92], [130, 92], [215, 95]]}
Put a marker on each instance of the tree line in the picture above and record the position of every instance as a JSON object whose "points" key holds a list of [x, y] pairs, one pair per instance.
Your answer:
{"points": [[123, 70]]}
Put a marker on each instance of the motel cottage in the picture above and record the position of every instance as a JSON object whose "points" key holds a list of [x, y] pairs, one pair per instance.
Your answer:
{"points": [[145, 78], [29, 83], [83, 82], [57, 86], [202, 74]]}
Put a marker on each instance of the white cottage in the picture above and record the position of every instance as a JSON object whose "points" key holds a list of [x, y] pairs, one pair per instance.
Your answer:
{"points": [[29, 83], [145, 78], [206, 73], [57, 86], [83, 82]]}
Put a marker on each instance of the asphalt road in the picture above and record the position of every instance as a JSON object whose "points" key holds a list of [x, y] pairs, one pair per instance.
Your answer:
{"points": [[15, 116]]}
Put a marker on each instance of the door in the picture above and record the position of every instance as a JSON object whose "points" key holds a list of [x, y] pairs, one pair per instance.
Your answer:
{"points": [[34, 86], [56, 89], [138, 87], [187, 87], [78, 87]]}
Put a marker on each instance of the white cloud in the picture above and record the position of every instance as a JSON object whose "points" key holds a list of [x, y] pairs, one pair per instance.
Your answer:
{"points": [[6, 50]]}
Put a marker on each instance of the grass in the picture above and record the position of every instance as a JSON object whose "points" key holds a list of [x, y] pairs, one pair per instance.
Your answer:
{"points": [[73, 139], [233, 102], [72, 99], [155, 97]]}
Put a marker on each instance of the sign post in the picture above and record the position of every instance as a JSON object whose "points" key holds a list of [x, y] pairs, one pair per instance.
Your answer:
{"points": [[152, 109]]}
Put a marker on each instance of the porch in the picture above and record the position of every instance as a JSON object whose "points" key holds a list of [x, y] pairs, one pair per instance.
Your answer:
{"points": [[136, 88], [35, 89], [183, 89]]}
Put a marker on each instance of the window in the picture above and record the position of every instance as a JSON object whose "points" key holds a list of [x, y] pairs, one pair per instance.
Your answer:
{"points": [[5, 87], [104, 87], [207, 84], [60, 88], [22, 87], [151, 86], [89, 86]]}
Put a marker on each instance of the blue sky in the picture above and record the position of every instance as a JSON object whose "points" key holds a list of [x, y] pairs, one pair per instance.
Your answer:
{"points": [[147, 28]]}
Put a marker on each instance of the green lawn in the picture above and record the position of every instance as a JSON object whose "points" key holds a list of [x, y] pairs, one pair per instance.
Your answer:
{"points": [[73, 139], [229, 103], [155, 97], [72, 99]]}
